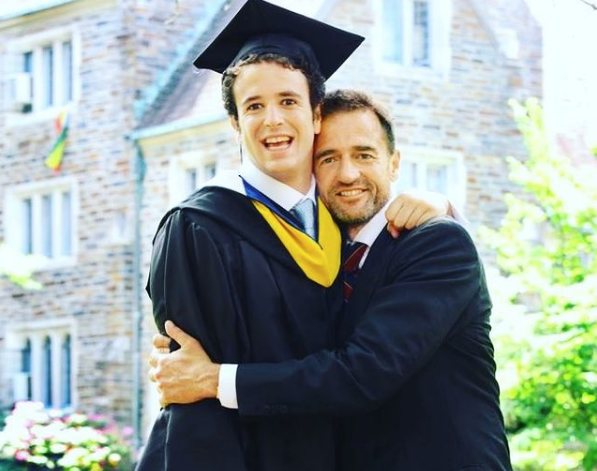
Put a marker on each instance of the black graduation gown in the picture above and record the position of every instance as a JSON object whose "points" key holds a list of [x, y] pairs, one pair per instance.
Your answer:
{"points": [[221, 274]]}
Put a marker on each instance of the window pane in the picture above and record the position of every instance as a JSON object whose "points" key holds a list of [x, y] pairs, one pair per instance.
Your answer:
{"points": [[392, 29], [47, 372], [437, 178], [66, 235], [408, 175], [421, 33], [190, 180], [27, 238], [28, 67], [66, 372], [67, 71], [28, 62], [47, 76], [46, 225], [26, 365], [209, 170]]}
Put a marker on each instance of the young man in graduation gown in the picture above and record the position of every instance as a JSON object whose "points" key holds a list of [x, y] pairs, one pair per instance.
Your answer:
{"points": [[414, 376], [242, 265]]}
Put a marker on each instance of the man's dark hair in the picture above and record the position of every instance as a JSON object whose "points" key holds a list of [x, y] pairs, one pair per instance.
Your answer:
{"points": [[315, 80], [351, 100]]}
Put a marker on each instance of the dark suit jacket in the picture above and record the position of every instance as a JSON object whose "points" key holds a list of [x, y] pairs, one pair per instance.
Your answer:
{"points": [[416, 355]]}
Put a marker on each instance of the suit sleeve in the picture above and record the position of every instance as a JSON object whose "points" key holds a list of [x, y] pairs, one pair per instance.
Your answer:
{"points": [[189, 284], [431, 279]]}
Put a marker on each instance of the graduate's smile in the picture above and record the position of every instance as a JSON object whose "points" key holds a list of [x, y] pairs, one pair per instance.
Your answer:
{"points": [[277, 143]]}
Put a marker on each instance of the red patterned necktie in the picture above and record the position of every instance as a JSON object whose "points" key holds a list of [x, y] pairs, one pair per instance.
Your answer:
{"points": [[352, 254]]}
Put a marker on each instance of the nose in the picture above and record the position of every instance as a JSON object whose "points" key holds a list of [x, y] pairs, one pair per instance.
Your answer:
{"points": [[273, 116], [348, 171]]}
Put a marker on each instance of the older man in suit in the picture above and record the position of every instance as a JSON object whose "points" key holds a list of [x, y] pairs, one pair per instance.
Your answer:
{"points": [[413, 381]]}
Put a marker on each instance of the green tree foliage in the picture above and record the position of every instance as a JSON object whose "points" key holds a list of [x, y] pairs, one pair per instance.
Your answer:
{"points": [[547, 248]]}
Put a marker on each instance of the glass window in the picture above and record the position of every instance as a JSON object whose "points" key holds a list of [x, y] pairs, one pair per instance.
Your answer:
{"points": [[47, 76], [41, 220], [190, 180], [28, 62], [27, 218], [51, 66], [406, 29], [47, 372], [26, 366], [67, 71], [392, 31], [66, 226], [66, 372], [209, 170], [46, 226], [432, 170], [420, 45]]}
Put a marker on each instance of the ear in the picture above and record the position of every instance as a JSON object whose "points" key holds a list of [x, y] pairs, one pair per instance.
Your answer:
{"points": [[394, 165], [234, 123], [317, 119]]}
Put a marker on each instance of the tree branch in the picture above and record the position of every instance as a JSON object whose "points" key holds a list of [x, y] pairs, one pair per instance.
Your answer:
{"points": [[592, 5]]}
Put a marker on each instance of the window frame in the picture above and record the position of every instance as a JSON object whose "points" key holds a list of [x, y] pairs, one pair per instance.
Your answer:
{"points": [[177, 175], [440, 24], [35, 43], [15, 224], [56, 330], [456, 178]]}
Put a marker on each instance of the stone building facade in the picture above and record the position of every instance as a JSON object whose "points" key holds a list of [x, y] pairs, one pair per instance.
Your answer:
{"points": [[145, 129]]}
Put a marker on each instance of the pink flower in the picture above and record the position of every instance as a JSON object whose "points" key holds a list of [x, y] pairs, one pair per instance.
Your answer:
{"points": [[22, 455]]}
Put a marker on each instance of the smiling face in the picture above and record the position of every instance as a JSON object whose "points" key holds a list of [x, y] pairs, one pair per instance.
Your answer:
{"points": [[354, 167], [276, 122]]}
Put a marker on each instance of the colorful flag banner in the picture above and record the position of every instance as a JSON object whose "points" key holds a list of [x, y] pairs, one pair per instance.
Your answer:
{"points": [[54, 158]]}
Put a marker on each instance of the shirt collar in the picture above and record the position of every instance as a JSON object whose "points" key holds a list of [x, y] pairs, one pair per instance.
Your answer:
{"points": [[373, 228], [279, 192]]}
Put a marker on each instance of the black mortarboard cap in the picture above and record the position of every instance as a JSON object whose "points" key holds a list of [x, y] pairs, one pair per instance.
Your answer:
{"points": [[260, 27]]}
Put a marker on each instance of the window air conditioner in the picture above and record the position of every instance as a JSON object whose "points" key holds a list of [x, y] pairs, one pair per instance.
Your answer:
{"points": [[19, 92]]}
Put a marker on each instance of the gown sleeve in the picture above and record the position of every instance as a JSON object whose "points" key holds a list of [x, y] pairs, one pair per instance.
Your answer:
{"points": [[189, 284]]}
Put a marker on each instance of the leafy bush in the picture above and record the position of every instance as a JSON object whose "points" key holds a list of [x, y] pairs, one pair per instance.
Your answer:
{"points": [[550, 396], [34, 438]]}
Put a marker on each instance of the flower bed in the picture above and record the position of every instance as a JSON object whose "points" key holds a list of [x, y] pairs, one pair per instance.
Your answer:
{"points": [[36, 438]]}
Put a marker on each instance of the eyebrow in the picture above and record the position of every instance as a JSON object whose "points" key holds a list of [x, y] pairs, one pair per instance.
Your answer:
{"points": [[287, 93], [365, 148], [324, 153]]}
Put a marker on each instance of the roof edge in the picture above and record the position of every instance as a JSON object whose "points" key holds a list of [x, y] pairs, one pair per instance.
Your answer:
{"points": [[33, 9], [177, 126]]}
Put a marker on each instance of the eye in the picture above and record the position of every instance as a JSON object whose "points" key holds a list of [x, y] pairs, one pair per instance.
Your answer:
{"points": [[288, 101], [327, 160], [365, 156], [254, 107]]}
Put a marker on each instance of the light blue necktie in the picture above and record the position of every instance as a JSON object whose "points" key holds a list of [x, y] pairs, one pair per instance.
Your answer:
{"points": [[305, 213]]}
